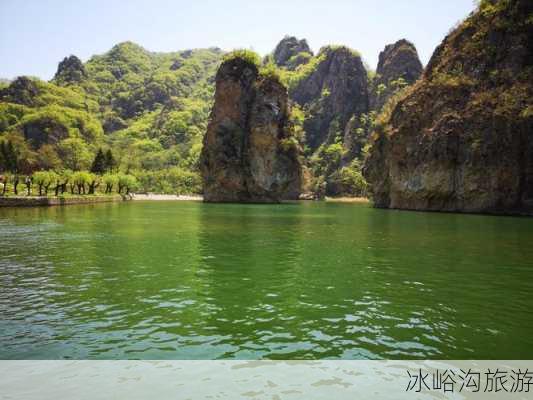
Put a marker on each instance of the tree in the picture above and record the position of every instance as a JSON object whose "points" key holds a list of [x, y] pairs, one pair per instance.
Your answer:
{"points": [[67, 175], [183, 181], [52, 178], [26, 157], [110, 162], [93, 181], [99, 163], [12, 157], [75, 153], [48, 158], [127, 182], [41, 179], [61, 180], [3, 161], [131, 158], [8, 157], [80, 179], [319, 187], [6, 178], [110, 180]]}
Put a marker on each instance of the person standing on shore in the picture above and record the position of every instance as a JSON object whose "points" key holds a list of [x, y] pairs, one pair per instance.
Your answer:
{"points": [[28, 182]]}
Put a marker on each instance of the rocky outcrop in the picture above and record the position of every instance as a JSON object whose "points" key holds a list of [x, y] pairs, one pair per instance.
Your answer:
{"points": [[70, 71], [22, 90], [398, 66], [334, 91], [112, 123], [355, 138], [288, 52], [461, 139], [249, 153], [177, 64]]}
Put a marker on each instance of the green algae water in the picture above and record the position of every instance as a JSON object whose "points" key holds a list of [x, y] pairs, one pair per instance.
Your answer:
{"points": [[186, 280]]}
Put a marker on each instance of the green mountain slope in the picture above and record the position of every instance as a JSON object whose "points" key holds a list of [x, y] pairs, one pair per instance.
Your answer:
{"points": [[150, 108]]}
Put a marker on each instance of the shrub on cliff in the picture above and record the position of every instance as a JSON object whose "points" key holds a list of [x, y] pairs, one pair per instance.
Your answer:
{"points": [[459, 139], [247, 55], [348, 180]]}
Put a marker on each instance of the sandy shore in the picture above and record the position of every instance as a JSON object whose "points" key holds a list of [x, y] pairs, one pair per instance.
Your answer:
{"points": [[160, 197], [24, 201], [348, 199], [167, 197]]}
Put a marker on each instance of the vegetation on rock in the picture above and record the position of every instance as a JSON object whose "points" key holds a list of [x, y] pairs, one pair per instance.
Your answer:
{"points": [[150, 109], [460, 138], [398, 66], [251, 152], [291, 52]]}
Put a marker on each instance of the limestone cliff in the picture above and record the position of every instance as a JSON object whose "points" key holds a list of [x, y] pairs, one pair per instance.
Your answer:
{"points": [[461, 139], [291, 52], [398, 66], [22, 90], [249, 153], [70, 71], [335, 90]]}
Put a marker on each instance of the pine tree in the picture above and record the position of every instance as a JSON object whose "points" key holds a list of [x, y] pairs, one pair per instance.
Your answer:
{"points": [[99, 163], [3, 161], [8, 157], [110, 162]]}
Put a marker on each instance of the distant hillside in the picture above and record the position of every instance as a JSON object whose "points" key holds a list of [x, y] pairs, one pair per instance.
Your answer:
{"points": [[150, 108], [337, 100]]}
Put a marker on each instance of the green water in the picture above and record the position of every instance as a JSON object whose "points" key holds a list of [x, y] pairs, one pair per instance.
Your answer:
{"points": [[189, 280]]}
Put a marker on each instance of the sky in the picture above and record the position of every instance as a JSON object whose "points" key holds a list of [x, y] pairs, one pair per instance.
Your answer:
{"points": [[36, 34]]}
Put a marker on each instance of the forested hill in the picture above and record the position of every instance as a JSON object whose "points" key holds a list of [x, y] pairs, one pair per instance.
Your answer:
{"points": [[151, 110]]}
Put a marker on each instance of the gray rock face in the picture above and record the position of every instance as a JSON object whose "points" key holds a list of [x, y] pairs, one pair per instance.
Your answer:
{"points": [[398, 65], [248, 155], [22, 90], [332, 93], [461, 139], [290, 47], [70, 70]]}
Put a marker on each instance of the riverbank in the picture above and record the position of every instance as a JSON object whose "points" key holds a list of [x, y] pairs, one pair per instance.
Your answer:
{"points": [[44, 201], [38, 201], [173, 197]]}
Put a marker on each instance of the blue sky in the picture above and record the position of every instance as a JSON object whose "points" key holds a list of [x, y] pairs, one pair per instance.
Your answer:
{"points": [[36, 34]]}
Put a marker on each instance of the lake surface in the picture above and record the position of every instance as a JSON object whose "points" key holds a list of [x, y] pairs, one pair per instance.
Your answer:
{"points": [[187, 280]]}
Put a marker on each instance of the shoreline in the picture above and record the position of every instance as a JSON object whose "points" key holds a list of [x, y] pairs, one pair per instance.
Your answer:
{"points": [[343, 199], [173, 197], [48, 201], [165, 197]]}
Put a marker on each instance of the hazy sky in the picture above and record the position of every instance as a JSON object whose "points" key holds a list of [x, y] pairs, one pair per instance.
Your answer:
{"points": [[36, 34]]}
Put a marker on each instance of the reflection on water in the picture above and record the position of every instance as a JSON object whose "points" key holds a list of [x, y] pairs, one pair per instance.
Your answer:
{"points": [[312, 280]]}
